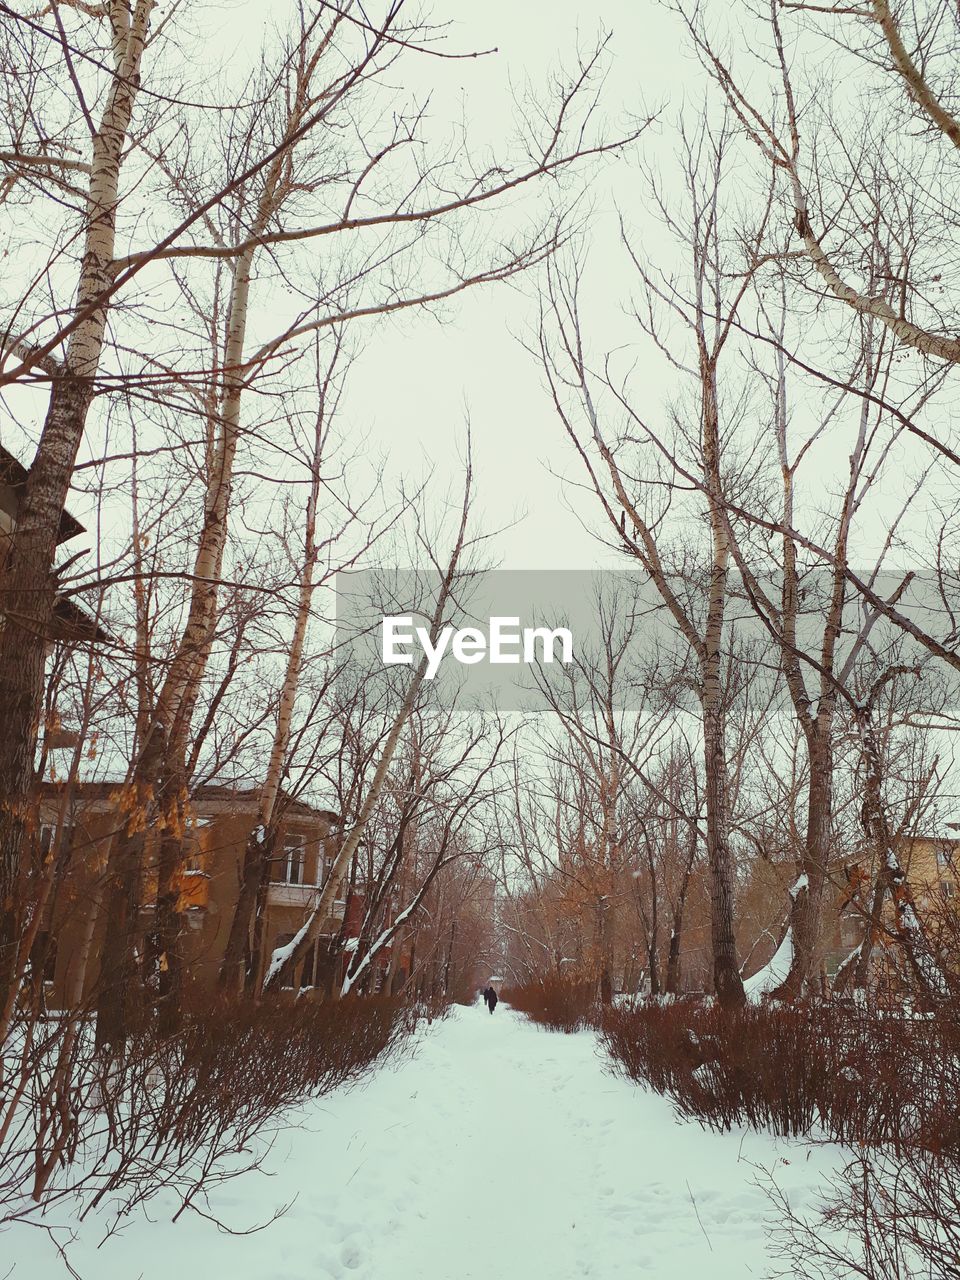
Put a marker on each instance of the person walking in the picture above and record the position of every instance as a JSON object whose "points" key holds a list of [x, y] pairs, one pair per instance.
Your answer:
{"points": [[491, 998]]}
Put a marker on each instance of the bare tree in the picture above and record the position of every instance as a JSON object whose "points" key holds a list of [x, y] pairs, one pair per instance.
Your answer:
{"points": [[635, 504], [451, 576], [248, 195]]}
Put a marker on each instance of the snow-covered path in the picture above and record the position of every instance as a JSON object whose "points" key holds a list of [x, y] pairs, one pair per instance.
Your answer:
{"points": [[497, 1152]]}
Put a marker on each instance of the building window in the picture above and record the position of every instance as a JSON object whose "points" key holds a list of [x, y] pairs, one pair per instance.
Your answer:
{"points": [[948, 888], [851, 931], [291, 865], [945, 854], [194, 845], [193, 853], [48, 839]]}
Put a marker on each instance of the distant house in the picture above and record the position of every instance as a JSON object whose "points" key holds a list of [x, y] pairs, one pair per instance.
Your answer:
{"points": [[79, 827], [70, 623], [931, 865]]}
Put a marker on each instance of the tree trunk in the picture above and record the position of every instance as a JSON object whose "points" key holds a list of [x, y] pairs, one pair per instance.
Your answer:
{"points": [[726, 972], [891, 878], [727, 983], [168, 918], [675, 954], [27, 585], [674, 958], [806, 907], [118, 993], [262, 839], [243, 941], [118, 1005]]}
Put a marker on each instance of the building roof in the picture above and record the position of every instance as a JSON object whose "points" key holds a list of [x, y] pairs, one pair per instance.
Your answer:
{"points": [[942, 830], [212, 791], [71, 623], [13, 478], [218, 795]]}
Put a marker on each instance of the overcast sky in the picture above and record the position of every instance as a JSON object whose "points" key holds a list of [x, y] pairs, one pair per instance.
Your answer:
{"points": [[419, 379]]}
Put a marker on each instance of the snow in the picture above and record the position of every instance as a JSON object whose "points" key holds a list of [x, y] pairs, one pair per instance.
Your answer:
{"points": [[802, 882], [495, 1151], [385, 937], [932, 973], [280, 957], [773, 972], [845, 965]]}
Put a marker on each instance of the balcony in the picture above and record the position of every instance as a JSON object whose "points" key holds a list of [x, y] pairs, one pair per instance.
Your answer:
{"points": [[301, 895]]}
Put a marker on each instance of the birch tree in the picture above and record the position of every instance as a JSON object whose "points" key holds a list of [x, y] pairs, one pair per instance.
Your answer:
{"points": [[224, 188], [28, 584]]}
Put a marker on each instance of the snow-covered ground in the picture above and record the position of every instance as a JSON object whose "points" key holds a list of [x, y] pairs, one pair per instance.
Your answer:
{"points": [[496, 1152]]}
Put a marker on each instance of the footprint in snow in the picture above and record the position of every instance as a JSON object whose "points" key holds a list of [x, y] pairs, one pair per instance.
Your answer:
{"points": [[352, 1257]]}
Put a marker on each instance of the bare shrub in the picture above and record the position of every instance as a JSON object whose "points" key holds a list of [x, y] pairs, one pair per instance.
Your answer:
{"points": [[863, 1077], [180, 1112], [884, 1216], [555, 1002]]}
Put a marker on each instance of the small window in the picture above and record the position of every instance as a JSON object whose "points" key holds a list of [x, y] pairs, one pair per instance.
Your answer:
{"points": [[291, 864], [49, 837], [193, 852], [195, 845], [948, 888], [851, 931], [945, 854]]}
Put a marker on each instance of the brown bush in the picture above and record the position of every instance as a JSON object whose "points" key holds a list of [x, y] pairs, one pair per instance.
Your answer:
{"points": [[559, 1003], [183, 1111], [864, 1077]]}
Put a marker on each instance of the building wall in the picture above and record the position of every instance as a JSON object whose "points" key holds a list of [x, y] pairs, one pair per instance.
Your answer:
{"points": [[210, 887], [930, 865]]}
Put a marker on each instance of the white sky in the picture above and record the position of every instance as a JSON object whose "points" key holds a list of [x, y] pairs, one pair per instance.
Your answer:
{"points": [[477, 365], [420, 379]]}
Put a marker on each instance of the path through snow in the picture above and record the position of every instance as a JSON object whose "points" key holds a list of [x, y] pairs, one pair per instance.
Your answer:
{"points": [[497, 1152]]}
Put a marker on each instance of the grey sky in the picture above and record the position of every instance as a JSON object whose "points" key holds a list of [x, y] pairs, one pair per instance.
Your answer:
{"points": [[418, 379]]}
